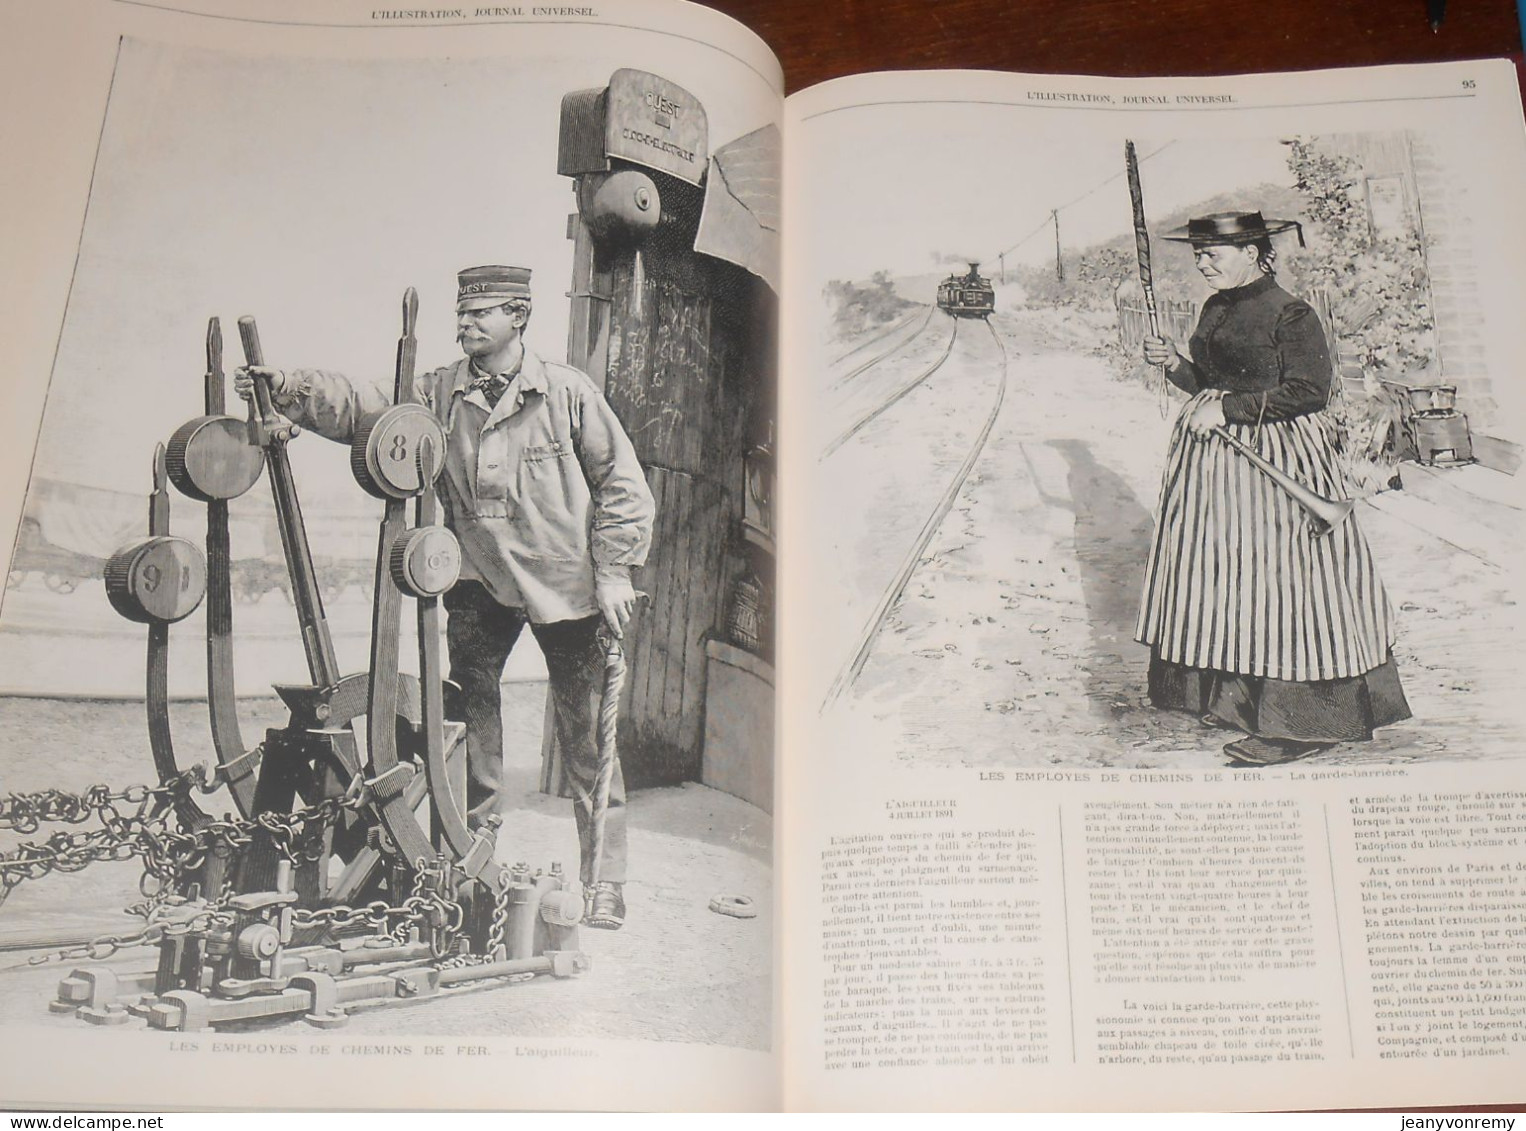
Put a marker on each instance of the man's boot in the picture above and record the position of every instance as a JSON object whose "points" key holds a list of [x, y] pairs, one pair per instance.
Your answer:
{"points": [[606, 906]]}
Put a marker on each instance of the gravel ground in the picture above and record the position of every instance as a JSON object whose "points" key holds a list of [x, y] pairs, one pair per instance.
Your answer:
{"points": [[1013, 644], [877, 489], [676, 972]]}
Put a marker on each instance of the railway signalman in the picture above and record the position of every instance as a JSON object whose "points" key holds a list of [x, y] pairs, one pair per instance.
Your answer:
{"points": [[542, 487]]}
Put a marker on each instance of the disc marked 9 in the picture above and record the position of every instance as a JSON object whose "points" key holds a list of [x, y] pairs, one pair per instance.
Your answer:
{"points": [[157, 579], [384, 454]]}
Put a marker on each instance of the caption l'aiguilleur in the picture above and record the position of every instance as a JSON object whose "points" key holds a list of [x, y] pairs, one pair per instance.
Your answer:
{"points": [[919, 809]]}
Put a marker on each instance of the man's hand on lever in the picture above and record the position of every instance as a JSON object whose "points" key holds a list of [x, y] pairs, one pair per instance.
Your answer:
{"points": [[244, 375]]}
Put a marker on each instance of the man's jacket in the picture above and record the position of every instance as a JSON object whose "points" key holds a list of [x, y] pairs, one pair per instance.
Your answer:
{"points": [[544, 490]]}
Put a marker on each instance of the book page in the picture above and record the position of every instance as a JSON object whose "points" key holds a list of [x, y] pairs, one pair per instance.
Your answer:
{"points": [[1154, 733], [552, 231]]}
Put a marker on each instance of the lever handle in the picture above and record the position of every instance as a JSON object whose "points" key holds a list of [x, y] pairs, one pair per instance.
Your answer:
{"points": [[264, 426], [250, 335], [214, 386], [410, 311]]}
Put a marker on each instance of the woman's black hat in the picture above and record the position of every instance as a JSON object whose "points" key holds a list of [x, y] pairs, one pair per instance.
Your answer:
{"points": [[1231, 228]]}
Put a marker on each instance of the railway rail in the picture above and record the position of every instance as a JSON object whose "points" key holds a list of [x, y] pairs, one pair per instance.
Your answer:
{"points": [[863, 643], [842, 381], [895, 395]]}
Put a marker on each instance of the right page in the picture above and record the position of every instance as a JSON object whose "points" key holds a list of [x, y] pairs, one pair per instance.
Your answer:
{"points": [[1151, 593]]}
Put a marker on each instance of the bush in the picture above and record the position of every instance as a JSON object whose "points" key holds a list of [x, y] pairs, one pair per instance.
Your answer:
{"points": [[1379, 298], [1091, 277], [1379, 293], [857, 308]]}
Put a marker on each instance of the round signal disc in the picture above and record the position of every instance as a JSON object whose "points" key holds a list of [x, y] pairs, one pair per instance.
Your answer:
{"points": [[426, 562], [160, 579], [211, 458], [389, 462]]}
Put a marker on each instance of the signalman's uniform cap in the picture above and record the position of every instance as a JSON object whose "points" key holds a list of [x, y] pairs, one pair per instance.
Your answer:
{"points": [[481, 287], [1231, 228]]}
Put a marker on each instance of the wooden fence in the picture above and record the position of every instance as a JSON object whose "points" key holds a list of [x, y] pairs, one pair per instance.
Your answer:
{"points": [[1177, 320]]}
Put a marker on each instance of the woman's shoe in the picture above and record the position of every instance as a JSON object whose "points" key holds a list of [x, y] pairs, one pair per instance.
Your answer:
{"points": [[1253, 750]]}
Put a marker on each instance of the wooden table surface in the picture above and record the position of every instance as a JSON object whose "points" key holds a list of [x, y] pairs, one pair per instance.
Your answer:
{"points": [[823, 39], [817, 40]]}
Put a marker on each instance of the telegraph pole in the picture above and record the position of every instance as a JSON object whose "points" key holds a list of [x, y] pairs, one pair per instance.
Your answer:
{"points": [[1059, 264]]}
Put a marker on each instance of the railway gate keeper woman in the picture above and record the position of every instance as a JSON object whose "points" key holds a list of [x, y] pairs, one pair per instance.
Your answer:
{"points": [[1253, 621], [543, 489]]}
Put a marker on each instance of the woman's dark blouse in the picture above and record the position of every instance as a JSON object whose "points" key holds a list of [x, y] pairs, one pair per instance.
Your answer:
{"points": [[1265, 347]]}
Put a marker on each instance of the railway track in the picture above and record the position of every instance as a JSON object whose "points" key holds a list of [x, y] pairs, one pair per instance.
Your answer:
{"points": [[900, 344], [863, 643], [895, 395]]}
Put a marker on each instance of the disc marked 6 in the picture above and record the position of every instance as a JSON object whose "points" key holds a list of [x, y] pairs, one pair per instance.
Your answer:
{"points": [[426, 561]]}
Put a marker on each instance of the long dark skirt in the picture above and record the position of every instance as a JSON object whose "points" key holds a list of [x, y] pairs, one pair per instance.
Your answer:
{"points": [[1333, 710], [1237, 580]]}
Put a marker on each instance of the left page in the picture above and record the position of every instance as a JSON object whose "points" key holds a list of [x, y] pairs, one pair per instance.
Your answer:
{"points": [[431, 767]]}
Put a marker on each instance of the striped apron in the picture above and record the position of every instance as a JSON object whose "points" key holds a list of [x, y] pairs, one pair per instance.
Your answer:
{"points": [[1236, 581]]}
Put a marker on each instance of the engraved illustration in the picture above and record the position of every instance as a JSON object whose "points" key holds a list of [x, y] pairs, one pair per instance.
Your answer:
{"points": [[532, 794], [1180, 453], [1262, 607]]}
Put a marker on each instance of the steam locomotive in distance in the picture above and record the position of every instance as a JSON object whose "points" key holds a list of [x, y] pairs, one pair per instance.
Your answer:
{"points": [[967, 296]]}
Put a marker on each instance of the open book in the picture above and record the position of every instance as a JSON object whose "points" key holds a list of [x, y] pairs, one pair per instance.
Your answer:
{"points": [[1127, 467]]}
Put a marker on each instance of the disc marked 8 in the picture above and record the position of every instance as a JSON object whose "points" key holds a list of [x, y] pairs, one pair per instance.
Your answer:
{"points": [[384, 455]]}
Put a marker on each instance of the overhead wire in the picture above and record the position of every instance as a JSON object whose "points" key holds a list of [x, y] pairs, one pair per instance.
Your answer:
{"points": [[1096, 188]]}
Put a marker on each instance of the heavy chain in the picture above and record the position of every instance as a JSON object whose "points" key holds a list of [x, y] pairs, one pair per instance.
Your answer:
{"points": [[145, 830], [142, 821], [120, 835], [436, 917], [499, 926], [103, 946], [299, 836], [25, 813], [443, 916], [153, 916], [379, 915], [496, 945], [383, 918]]}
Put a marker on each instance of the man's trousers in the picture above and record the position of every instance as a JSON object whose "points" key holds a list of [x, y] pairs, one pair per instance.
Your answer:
{"points": [[480, 633]]}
